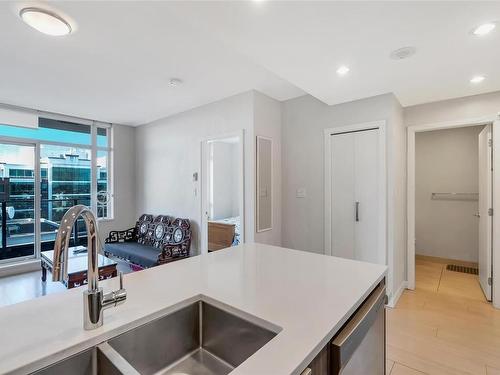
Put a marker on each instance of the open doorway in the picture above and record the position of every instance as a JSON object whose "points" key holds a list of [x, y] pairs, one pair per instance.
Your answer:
{"points": [[452, 214], [222, 192]]}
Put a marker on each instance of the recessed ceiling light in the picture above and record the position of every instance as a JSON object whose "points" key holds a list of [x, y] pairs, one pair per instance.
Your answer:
{"points": [[403, 53], [174, 82], [45, 21], [484, 29], [343, 70], [477, 79]]}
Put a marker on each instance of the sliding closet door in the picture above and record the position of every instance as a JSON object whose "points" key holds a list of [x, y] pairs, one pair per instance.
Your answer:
{"points": [[366, 161], [355, 206], [343, 195]]}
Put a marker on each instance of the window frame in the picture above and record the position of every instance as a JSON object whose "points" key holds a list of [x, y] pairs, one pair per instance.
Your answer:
{"points": [[109, 169]]}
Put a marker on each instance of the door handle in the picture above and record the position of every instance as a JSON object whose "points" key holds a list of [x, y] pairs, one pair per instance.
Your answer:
{"points": [[477, 214], [357, 211]]}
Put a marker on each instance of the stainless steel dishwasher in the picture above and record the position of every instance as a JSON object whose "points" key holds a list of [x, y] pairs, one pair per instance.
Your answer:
{"points": [[359, 348]]}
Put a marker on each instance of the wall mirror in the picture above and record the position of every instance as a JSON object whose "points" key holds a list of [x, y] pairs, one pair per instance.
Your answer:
{"points": [[264, 184]]}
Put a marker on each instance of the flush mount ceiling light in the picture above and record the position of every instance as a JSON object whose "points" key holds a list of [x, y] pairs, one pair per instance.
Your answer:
{"points": [[45, 21], [343, 70], [403, 53], [477, 79], [484, 29]]}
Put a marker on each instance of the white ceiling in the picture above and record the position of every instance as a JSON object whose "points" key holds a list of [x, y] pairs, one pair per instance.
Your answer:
{"points": [[117, 65]]}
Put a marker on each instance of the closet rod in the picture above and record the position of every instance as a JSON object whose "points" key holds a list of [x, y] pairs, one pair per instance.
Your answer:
{"points": [[455, 196]]}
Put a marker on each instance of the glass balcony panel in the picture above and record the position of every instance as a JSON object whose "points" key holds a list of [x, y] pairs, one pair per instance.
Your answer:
{"points": [[17, 194]]}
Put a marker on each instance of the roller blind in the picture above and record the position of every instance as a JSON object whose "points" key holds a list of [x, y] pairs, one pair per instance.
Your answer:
{"points": [[14, 117]]}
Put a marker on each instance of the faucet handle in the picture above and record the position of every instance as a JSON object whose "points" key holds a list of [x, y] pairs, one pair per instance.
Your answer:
{"points": [[120, 295], [116, 297]]}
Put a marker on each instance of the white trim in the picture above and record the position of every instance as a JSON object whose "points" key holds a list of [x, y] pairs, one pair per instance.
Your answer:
{"points": [[473, 121], [410, 219], [111, 173], [327, 133], [93, 168], [395, 296], [202, 183], [410, 209], [257, 190], [37, 202], [495, 292]]}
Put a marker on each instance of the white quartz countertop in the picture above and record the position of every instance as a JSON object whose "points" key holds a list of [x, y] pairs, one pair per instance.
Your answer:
{"points": [[309, 296]]}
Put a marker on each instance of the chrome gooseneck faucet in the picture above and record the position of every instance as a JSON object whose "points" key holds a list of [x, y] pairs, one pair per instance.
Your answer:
{"points": [[94, 300]]}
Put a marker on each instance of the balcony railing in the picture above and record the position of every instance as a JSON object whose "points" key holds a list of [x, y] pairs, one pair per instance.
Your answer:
{"points": [[17, 225]]}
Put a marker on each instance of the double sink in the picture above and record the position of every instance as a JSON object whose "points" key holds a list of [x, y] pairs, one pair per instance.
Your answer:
{"points": [[200, 338]]}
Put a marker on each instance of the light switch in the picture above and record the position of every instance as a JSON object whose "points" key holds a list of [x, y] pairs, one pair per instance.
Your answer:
{"points": [[301, 193]]}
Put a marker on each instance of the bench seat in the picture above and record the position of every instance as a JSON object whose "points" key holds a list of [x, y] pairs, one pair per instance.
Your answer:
{"points": [[134, 252], [153, 241]]}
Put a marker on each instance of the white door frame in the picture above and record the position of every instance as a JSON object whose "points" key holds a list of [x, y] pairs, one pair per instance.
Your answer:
{"points": [[380, 125], [410, 219], [204, 191]]}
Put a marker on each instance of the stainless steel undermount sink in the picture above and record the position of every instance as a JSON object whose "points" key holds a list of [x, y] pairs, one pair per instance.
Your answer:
{"points": [[89, 362], [199, 338]]}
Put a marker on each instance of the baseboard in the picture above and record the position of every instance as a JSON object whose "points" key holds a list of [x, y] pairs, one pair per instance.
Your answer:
{"points": [[395, 297], [17, 268]]}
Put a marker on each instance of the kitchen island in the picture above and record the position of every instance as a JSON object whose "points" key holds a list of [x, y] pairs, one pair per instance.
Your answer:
{"points": [[305, 298]]}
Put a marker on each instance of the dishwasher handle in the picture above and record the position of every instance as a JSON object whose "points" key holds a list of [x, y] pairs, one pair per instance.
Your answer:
{"points": [[350, 337]]}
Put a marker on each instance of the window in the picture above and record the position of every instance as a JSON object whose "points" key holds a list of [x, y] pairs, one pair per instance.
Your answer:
{"points": [[74, 166], [51, 131]]}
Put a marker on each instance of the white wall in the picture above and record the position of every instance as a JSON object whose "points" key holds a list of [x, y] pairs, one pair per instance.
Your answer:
{"points": [[304, 120], [169, 152], [124, 181], [446, 161], [471, 107], [453, 110], [396, 202], [268, 123], [225, 177]]}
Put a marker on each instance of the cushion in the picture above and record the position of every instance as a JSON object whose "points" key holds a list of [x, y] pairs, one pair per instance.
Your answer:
{"points": [[143, 255]]}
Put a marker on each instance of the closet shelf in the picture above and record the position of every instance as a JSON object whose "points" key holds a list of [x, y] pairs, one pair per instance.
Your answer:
{"points": [[455, 196]]}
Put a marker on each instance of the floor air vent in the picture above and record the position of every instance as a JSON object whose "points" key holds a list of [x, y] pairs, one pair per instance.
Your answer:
{"points": [[463, 269]]}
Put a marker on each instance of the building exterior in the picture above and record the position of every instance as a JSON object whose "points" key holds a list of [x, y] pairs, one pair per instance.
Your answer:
{"points": [[65, 180]]}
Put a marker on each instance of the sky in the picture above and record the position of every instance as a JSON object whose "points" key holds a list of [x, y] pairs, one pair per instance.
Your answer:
{"points": [[47, 134]]}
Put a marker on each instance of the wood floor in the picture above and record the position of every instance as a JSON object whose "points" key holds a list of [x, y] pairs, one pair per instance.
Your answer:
{"points": [[444, 326]]}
